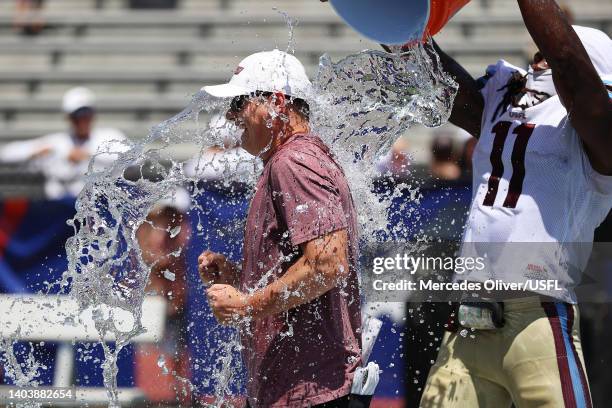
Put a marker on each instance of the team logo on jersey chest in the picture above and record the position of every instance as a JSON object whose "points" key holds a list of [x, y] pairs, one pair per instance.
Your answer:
{"points": [[518, 114]]}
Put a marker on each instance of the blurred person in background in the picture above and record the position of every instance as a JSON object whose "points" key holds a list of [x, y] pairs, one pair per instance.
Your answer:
{"points": [[466, 157], [443, 165], [162, 238], [64, 157], [397, 161], [26, 21], [228, 163]]}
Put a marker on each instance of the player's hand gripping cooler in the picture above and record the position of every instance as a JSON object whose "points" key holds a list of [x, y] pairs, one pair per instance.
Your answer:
{"points": [[397, 22]]}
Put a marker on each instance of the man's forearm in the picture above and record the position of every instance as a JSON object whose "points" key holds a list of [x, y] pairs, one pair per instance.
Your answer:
{"points": [[322, 266], [232, 277], [300, 284], [559, 43], [576, 80]]}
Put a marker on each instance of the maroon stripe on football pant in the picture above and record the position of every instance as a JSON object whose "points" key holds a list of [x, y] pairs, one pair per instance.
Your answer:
{"points": [[567, 388]]}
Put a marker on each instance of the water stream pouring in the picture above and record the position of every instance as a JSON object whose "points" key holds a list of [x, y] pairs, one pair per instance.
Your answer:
{"points": [[397, 22]]}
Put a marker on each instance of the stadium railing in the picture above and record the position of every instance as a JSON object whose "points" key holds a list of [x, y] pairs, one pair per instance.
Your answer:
{"points": [[57, 318]]}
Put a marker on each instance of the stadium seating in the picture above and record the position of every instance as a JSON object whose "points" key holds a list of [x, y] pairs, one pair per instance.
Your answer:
{"points": [[144, 65]]}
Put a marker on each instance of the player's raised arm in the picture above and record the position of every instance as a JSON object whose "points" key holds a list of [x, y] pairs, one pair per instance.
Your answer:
{"points": [[577, 82], [469, 103]]}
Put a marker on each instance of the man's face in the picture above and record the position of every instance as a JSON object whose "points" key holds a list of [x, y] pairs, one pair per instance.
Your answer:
{"points": [[252, 115], [82, 124]]}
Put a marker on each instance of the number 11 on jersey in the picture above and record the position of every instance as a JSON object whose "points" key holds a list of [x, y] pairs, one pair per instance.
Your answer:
{"points": [[501, 131]]}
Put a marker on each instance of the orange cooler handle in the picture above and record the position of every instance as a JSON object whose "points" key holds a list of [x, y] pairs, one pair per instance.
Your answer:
{"points": [[440, 12]]}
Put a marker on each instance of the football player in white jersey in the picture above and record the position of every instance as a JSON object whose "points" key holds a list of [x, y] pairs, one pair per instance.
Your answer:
{"points": [[543, 175]]}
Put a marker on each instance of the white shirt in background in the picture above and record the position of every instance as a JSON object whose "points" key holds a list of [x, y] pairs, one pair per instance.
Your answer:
{"points": [[64, 177]]}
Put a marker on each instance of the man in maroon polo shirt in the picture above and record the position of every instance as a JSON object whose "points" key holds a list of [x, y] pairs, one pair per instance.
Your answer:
{"points": [[296, 297]]}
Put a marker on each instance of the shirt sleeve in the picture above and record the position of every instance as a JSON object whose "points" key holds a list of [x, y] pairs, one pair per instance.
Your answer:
{"points": [[305, 196], [24, 150], [599, 182], [17, 152]]}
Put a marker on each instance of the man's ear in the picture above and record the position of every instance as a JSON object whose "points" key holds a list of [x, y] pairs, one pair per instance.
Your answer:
{"points": [[279, 99], [280, 102]]}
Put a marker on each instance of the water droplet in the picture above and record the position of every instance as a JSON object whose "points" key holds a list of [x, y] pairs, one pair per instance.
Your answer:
{"points": [[169, 275], [175, 231]]}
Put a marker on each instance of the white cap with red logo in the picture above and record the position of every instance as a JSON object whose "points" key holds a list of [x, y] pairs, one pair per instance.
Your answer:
{"points": [[269, 71]]}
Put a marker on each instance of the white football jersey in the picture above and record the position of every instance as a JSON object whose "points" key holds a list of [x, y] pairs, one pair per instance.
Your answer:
{"points": [[532, 183]]}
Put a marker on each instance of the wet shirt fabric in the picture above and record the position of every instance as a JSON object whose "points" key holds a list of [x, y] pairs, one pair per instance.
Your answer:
{"points": [[307, 355]]}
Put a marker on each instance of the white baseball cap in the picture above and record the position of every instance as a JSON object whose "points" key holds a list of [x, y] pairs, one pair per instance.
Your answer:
{"points": [[177, 198], [77, 98], [269, 71]]}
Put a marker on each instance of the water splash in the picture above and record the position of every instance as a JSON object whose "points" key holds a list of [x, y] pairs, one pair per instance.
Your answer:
{"points": [[23, 374], [367, 101], [292, 23], [362, 104]]}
